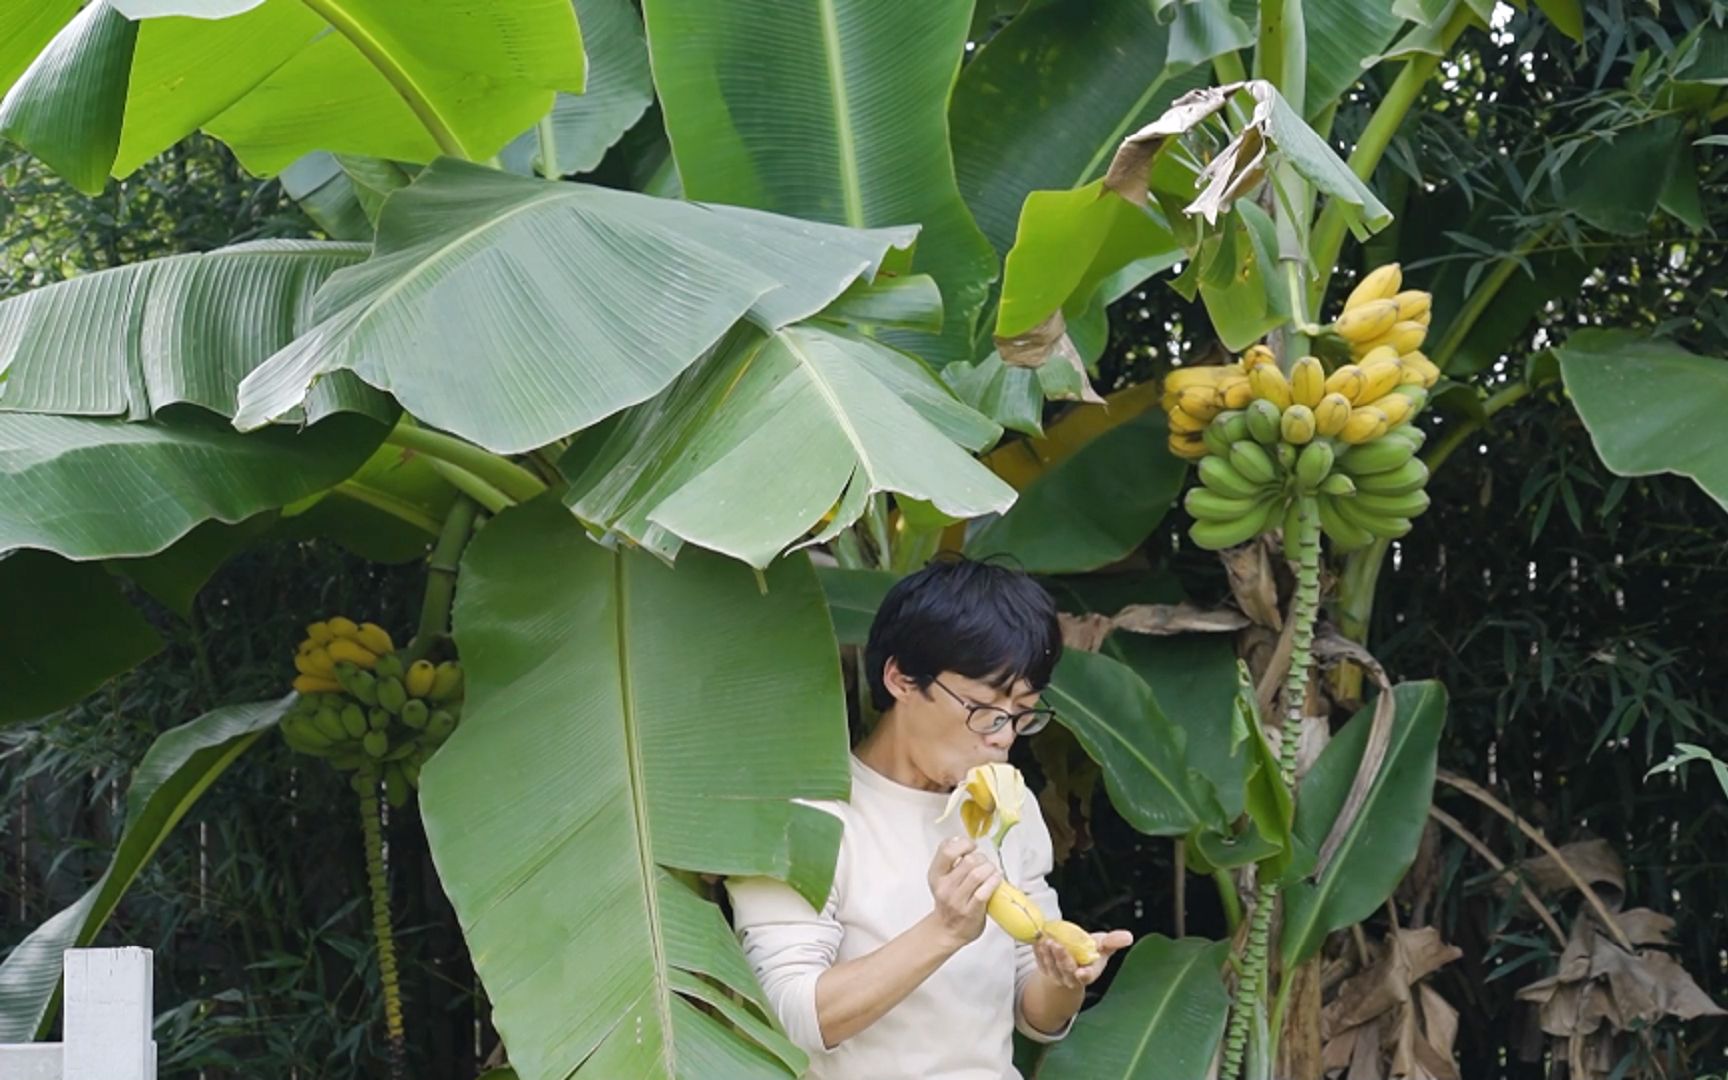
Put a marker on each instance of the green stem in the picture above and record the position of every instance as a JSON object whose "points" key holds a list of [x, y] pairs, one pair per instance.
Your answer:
{"points": [[366, 783], [389, 504], [1228, 68], [343, 22], [876, 515], [441, 568], [1230, 898], [507, 476], [548, 148], [1328, 239], [1483, 295], [495, 501]]}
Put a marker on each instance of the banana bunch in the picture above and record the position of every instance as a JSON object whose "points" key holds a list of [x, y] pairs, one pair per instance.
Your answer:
{"points": [[990, 801], [1345, 438], [359, 702]]}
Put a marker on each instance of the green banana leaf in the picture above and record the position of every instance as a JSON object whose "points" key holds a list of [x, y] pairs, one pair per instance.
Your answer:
{"points": [[1193, 680], [1161, 1020], [626, 726], [581, 127], [1342, 36], [101, 489], [705, 462], [1380, 846], [514, 311], [46, 605], [173, 774], [853, 597], [1088, 511], [126, 79], [327, 194], [184, 329], [1650, 406], [831, 111], [1143, 755]]}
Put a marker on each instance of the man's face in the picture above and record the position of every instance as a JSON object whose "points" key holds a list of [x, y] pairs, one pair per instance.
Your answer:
{"points": [[943, 747]]}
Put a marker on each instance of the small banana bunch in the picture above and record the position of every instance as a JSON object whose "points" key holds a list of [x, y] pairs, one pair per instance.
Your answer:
{"points": [[990, 801], [360, 703], [1264, 440]]}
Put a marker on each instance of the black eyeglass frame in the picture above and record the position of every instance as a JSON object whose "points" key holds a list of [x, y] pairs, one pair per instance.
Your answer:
{"points": [[1040, 715]]}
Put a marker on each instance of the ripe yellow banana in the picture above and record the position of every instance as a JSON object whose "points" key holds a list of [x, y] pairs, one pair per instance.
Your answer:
{"points": [[318, 633], [348, 649], [1307, 382], [376, 638], [1366, 423], [1347, 380], [1015, 912], [342, 627], [1187, 445], [1185, 423], [1269, 383], [1331, 414], [1182, 378], [421, 675], [1419, 362], [1381, 283], [315, 662], [1082, 946], [312, 684], [1379, 379], [1401, 338], [1200, 402], [1297, 425], [1258, 356], [1236, 391], [1414, 305], [1363, 324], [1397, 408]]}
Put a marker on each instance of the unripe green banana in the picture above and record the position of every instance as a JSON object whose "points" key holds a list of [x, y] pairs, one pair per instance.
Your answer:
{"points": [[1386, 528], [1408, 505], [389, 666], [1285, 455], [1206, 505], [1380, 455], [1217, 535], [395, 786], [439, 725], [1346, 536], [1410, 476], [343, 673], [1338, 484], [392, 695], [1235, 425], [364, 687], [1263, 419], [354, 721], [1216, 440], [377, 719], [1221, 476], [376, 744], [1314, 463], [1253, 463], [411, 770], [329, 724], [1293, 531], [1411, 434], [415, 713]]}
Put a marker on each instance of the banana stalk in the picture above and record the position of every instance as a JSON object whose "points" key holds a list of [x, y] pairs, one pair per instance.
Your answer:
{"points": [[1305, 605], [366, 783]]}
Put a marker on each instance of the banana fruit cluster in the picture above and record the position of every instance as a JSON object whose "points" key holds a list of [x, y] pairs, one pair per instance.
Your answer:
{"points": [[1016, 913], [1264, 440], [359, 703]]}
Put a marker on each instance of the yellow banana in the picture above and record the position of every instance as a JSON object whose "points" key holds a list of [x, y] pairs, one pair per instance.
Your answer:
{"points": [[315, 662], [312, 684], [1307, 382], [1015, 912], [1331, 414], [318, 633], [1200, 402], [1397, 408], [352, 651], [342, 627], [1236, 391], [1297, 425], [1417, 361], [1347, 380], [1185, 422], [1403, 337], [1381, 283], [421, 675], [1367, 322], [1269, 383], [376, 638], [1082, 946], [1187, 445], [1365, 424], [1379, 379], [1258, 356], [1414, 305], [1378, 352], [1182, 378]]}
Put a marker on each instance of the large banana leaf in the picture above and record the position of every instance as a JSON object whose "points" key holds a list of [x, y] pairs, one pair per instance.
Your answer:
{"points": [[276, 79], [1193, 680], [65, 627], [581, 127], [853, 597], [1161, 1020], [833, 110], [1650, 406], [177, 769], [1381, 844], [98, 489], [627, 723], [389, 511], [1089, 511], [184, 329], [751, 448], [1342, 35], [514, 311], [1143, 755]]}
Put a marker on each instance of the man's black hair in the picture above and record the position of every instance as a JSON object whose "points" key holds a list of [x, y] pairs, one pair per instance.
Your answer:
{"points": [[979, 620]]}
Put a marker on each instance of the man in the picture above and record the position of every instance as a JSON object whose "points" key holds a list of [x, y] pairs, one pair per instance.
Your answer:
{"points": [[900, 974]]}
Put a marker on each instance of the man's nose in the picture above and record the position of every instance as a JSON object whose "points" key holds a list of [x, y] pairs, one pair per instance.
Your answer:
{"points": [[1002, 739]]}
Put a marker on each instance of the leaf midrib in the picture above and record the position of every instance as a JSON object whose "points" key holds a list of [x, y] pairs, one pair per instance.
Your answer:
{"points": [[1158, 1013], [851, 191], [1157, 773]]}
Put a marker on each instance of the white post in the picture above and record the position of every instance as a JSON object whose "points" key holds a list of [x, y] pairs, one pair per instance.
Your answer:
{"points": [[109, 1010]]}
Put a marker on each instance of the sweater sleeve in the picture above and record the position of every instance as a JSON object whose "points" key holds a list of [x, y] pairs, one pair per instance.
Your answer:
{"points": [[1037, 858], [789, 944]]}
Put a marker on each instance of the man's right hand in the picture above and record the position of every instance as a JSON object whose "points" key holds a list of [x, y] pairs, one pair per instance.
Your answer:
{"points": [[962, 881]]}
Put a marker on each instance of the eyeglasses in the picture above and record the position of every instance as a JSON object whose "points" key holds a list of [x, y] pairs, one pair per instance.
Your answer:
{"points": [[989, 719]]}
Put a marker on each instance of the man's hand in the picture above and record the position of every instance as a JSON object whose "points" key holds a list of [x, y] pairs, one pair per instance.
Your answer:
{"points": [[1058, 964], [961, 881]]}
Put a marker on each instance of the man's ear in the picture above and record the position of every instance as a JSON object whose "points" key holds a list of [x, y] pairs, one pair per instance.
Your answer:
{"points": [[899, 684]]}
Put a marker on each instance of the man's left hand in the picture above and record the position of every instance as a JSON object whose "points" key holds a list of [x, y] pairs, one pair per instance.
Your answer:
{"points": [[1057, 963]]}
